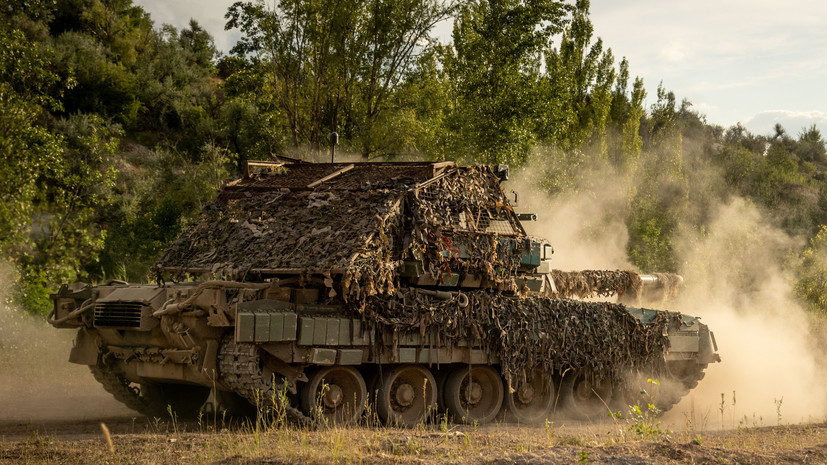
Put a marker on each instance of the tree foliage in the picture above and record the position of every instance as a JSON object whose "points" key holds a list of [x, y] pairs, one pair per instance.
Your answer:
{"points": [[494, 69], [114, 130], [333, 66]]}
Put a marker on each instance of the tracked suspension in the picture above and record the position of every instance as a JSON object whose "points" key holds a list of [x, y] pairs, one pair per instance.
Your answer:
{"points": [[123, 392], [240, 369]]}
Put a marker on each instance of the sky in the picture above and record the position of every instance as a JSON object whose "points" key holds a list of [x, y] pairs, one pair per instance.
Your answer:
{"points": [[754, 62]]}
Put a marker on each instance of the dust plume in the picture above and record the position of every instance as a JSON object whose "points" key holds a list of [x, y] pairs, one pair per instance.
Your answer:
{"points": [[37, 382], [736, 282], [734, 279], [586, 228]]}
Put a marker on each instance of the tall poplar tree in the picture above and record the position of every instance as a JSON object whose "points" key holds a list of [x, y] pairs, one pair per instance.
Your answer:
{"points": [[495, 68], [580, 76]]}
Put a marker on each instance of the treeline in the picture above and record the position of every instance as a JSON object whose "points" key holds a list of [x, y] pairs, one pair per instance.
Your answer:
{"points": [[114, 131]]}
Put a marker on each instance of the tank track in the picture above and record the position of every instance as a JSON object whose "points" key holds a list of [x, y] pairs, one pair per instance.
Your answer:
{"points": [[688, 385], [124, 393], [665, 402], [240, 369]]}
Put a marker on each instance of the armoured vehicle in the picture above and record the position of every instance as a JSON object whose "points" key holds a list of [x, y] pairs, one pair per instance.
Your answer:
{"points": [[411, 287]]}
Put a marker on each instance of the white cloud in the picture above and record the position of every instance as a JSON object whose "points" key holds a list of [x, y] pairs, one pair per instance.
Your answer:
{"points": [[703, 107], [793, 121], [674, 52], [208, 13]]}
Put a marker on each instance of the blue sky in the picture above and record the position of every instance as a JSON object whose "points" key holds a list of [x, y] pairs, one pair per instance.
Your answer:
{"points": [[756, 62]]}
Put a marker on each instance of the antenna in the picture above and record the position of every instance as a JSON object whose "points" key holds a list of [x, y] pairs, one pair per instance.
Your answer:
{"points": [[334, 141]]}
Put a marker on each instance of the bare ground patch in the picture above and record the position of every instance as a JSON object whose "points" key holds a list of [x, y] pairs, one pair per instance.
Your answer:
{"points": [[154, 441]]}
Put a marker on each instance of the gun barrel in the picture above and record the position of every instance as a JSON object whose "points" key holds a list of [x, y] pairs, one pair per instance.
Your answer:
{"points": [[661, 279]]}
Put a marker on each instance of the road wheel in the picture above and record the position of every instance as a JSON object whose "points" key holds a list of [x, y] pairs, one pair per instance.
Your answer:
{"points": [[407, 396], [531, 402], [335, 395], [473, 394], [586, 396]]}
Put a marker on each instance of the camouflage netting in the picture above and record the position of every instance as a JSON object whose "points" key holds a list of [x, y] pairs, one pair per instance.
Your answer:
{"points": [[531, 333], [354, 232], [459, 223], [626, 285], [596, 283], [466, 207], [299, 231]]}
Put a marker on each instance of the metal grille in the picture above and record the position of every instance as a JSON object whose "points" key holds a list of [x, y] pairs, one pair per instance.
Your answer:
{"points": [[500, 227], [118, 314]]}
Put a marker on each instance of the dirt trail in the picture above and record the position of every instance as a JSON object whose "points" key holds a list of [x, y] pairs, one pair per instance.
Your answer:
{"points": [[144, 441]]}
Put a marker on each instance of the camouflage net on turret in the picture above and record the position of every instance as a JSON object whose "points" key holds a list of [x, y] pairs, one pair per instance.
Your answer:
{"points": [[469, 209], [356, 234], [534, 333], [303, 232]]}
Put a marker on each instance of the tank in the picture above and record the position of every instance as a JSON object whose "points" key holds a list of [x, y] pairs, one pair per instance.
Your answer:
{"points": [[315, 290]]}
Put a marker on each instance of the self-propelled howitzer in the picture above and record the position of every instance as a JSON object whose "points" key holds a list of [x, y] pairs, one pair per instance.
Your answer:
{"points": [[409, 286]]}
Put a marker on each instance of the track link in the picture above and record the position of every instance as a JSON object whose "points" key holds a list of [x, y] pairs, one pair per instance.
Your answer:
{"points": [[240, 369], [122, 390], [666, 402]]}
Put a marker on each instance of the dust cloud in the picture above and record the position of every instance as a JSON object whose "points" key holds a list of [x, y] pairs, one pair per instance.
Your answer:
{"points": [[734, 280], [585, 229], [36, 380], [770, 371]]}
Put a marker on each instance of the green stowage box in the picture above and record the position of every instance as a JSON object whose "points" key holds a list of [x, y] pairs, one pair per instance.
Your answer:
{"points": [[262, 327], [265, 327]]}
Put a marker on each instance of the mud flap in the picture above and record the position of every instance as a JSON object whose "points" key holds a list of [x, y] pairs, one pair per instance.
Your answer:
{"points": [[85, 349]]}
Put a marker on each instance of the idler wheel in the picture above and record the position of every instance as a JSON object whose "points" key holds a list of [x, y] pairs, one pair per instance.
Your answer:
{"points": [[586, 396], [335, 394], [406, 396], [474, 394], [532, 400]]}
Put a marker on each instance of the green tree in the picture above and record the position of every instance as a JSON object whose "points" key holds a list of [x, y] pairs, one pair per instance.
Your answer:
{"points": [[26, 147], [333, 65], [199, 46], [413, 124], [495, 69], [661, 197], [159, 193], [56, 171], [811, 145], [580, 77], [811, 286], [632, 142]]}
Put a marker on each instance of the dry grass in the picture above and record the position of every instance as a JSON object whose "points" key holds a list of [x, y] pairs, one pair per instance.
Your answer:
{"points": [[157, 442]]}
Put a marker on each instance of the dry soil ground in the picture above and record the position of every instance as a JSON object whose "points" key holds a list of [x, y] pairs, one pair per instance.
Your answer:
{"points": [[138, 440]]}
